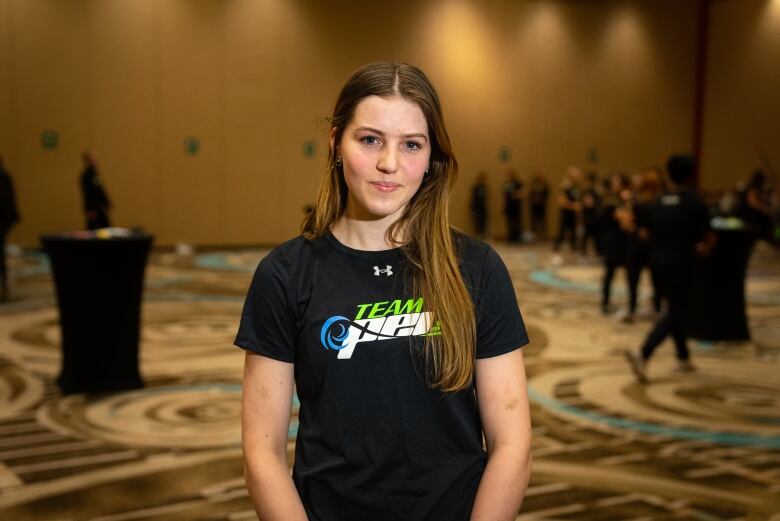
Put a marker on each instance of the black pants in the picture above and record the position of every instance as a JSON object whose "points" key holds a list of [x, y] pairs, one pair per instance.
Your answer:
{"points": [[634, 266], [539, 221], [674, 284], [514, 223], [590, 235], [568, 225], [610, 266]]}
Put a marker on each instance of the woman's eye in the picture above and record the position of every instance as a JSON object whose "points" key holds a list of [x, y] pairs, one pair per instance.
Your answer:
{"points": [[413, 145], [369, 140]]}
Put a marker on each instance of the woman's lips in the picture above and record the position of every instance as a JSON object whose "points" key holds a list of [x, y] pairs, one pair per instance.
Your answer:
{"points": [[386, 187]]}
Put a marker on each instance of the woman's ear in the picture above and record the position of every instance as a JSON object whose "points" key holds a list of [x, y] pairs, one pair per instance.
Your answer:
{"points": [[333, 148]]}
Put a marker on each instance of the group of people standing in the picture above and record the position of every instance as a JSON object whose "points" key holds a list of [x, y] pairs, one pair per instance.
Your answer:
{"points": [[514, 195], [646, 220], [655, 220], [608, 217]]}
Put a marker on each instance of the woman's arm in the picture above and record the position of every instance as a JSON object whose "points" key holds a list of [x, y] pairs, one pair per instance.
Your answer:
{"points": [[265, 420], [503, 405]]}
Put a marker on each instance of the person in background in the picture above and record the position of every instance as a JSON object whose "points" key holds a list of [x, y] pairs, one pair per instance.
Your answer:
{"points": [[644, 194], [755, 205], [513, 207], [538, 194], [479, 194], [591, 202], [678, 228], [570, 203], [96, 202], [9, 215], [612, 233]]}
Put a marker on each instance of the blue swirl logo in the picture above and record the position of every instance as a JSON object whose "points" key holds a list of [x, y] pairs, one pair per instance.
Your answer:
{"points": [[334, 332]]}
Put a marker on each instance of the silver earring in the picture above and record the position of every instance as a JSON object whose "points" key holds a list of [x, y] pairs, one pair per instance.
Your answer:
{"points": [[338, 161]]}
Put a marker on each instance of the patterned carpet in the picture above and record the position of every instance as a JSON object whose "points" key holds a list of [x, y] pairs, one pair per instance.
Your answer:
{"points": [[702, 446]]}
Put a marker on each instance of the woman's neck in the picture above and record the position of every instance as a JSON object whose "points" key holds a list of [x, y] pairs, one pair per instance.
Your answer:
{"points": [[366, 235]]}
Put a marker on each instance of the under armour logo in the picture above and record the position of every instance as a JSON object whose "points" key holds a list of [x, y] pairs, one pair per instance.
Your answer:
{"points": [[387, 271]]}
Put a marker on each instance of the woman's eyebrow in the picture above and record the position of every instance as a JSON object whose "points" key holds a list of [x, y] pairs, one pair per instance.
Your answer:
{"points": [[406, 136], [425, 137]]}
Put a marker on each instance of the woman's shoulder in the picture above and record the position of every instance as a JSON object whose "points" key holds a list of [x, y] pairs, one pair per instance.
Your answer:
{"points": [[291, 254], [471, 251]]}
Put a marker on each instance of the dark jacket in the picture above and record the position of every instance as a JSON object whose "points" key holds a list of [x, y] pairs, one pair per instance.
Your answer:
{"points": [[9, 213]]}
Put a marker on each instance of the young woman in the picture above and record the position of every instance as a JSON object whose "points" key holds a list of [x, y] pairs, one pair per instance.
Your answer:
{"points": [[400, 335]]}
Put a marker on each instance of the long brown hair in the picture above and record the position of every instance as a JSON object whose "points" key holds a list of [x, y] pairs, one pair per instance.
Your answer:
{"points": [[425, 226]]}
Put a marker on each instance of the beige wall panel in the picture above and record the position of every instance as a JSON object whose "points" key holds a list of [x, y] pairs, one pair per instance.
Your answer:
{"points": [[51, 71], [192, 101], [462, 49], [324, 42], [742, 105], [7, 117], [253, 141], [254, 80], [551, 79], [125, 110]]}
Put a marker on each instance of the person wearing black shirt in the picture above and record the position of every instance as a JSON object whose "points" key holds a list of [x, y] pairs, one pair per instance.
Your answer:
{"points": [[591, 206], [612, 234], [755, 206], [401, 336], [479, 193], [513, 207], [9, 215], [647, 189], [96, 201], [570, 202], [678, 227]]}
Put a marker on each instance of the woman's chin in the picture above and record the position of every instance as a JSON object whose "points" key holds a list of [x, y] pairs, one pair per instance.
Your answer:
{"points": [[375, 212]]}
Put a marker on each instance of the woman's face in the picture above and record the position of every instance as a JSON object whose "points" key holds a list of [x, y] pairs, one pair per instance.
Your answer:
{"points": [[385, 151]]}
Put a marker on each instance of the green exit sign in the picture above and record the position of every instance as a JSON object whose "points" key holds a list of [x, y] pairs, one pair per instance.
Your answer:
{"points": [[309, 148], [191, 145], [50, 139]]}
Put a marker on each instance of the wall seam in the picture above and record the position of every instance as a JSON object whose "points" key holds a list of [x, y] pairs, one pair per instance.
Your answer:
{"points": [[700, 80], [223, 132], [157, 119]]}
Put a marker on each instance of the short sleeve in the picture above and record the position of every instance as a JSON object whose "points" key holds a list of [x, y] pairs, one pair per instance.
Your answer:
{"points": [[500, 327], [267, 323]]}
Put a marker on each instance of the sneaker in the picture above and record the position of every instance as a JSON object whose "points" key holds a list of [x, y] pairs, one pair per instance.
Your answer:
{"points": [[684, 366], [637, 364]]}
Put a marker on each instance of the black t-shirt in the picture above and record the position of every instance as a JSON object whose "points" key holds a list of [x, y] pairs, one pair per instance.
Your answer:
{"points": [[374, 441], [573, 194], [539, 193], [677, 221], [95, 197]]}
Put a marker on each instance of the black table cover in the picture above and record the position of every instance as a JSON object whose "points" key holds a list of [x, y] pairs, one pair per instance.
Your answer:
{"points": [[717, 306], [99, 285]]}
